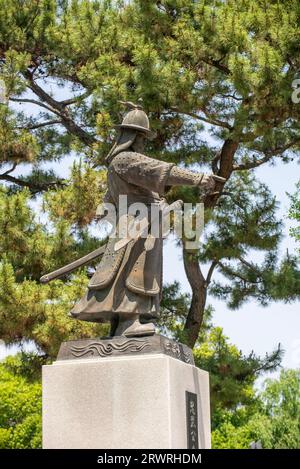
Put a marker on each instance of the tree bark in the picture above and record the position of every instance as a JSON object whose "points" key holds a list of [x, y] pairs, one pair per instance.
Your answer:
{"points": [[199, 293], [192, 268], [60, 109]]}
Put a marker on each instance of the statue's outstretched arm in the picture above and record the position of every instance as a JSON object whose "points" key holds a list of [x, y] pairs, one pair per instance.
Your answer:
{"points": [[185, 177]]}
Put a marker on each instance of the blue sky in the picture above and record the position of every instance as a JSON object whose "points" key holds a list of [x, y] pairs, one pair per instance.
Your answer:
{"points": [[253, 327]]}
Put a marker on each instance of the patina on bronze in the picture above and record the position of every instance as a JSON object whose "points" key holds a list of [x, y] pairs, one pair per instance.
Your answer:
{"points": [[126, 287]]}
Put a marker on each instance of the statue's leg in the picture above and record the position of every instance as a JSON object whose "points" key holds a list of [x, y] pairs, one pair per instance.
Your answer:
{"points": [[129, 326]]}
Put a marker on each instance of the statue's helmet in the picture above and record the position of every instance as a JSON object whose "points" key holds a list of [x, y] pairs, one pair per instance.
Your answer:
{"points": [[137, 119]]}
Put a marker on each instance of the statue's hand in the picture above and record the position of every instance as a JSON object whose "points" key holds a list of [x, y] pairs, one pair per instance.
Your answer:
{"points": [[208, 183]]}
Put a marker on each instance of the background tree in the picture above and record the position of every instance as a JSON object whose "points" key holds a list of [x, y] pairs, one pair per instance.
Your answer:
{"points": [[223, 68], [232, 374], [29, 311], [274, 418], [294, 213], [215, 78], [271, 416], [20, 404]]}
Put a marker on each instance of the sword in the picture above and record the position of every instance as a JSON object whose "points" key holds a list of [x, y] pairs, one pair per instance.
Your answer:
{"points": [[73, 265], [67, 269], [143, 224]]}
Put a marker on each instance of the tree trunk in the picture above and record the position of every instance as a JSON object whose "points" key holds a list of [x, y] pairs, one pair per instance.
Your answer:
{"points": [[193, 271], [199, 292]]}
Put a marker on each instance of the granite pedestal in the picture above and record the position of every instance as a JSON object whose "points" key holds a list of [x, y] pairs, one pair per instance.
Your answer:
{"points": [[125, 393]]}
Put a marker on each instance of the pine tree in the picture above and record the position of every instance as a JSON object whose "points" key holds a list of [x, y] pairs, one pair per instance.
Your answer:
{"points": [[272, 419], [220, 67], [20, 404], [294, 213]]}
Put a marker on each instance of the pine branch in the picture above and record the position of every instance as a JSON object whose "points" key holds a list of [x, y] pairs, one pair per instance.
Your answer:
{"points": [[34, 187], [9, 170], [210, 271], [268, 156], [34, 101], [208, 119], [68, 102], [270, 362], [252, 164], [233, 273], [42, 124], [59, 108], [231, 96], [216, 64], [249, 265]]}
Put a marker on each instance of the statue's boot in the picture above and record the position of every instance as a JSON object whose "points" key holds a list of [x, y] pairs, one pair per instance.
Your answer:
{"points": [[130, 326]]}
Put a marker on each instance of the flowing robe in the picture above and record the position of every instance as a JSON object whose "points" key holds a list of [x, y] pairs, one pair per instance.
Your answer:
{"points": [[128, 280]]}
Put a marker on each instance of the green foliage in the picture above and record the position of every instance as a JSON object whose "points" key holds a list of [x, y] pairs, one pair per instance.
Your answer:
{"points": [[26, 364], [20, 409], [245, 221], [29, 310], [230, 436], [273, 419], [225, 64], [77, 203], [200, 66], [173, 309], [294, 213], [232, 374], [216, 80], [15, 145]]}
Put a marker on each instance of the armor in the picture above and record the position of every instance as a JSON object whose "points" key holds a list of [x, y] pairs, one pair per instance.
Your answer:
{"points": [[129, 280], [184, 177]]}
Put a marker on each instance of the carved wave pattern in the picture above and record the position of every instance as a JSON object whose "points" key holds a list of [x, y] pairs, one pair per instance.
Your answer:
{"points": [[103, 350]]}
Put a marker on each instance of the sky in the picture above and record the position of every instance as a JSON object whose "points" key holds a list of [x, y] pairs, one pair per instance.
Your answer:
{"points": [[252, 327]]}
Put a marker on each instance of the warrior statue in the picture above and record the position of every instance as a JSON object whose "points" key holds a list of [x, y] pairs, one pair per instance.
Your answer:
{"points": [[127, 284]]}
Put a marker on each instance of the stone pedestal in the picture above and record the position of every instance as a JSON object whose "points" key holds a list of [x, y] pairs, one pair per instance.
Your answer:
{"points": [[145, 399]]}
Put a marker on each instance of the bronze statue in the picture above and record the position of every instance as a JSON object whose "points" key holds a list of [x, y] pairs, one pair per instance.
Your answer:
{"points": [[127, 284]]}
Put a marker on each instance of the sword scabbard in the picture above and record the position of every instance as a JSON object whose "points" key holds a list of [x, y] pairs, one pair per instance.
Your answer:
{"points": [[67, 269]]}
